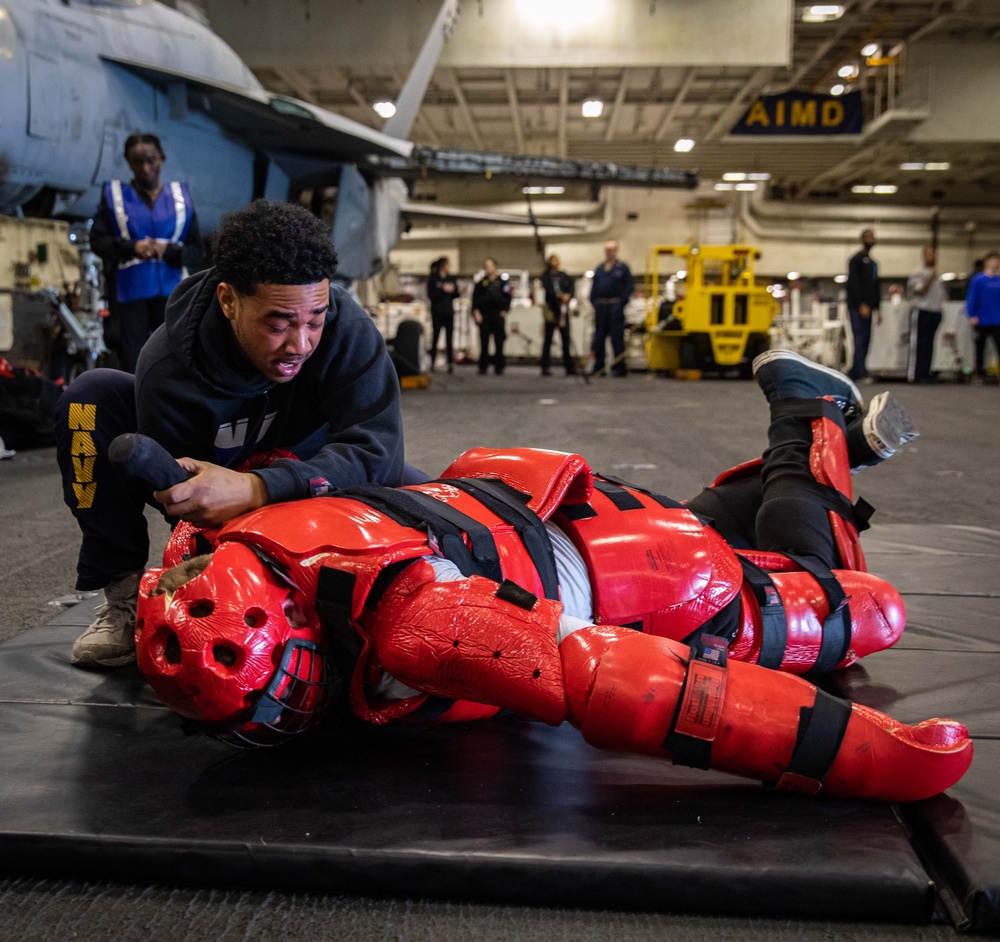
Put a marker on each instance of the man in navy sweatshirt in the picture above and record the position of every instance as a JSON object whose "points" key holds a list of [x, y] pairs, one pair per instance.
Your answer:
{"points": [[257, 355]]}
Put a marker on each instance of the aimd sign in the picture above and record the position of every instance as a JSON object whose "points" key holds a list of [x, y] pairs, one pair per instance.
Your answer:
{"points": [[802, 113]]}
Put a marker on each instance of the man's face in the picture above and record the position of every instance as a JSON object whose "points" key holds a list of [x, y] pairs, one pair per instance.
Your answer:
{"points": [[279, 326], [992, 265], [144, 161], [610, 251], [554, 262], [867, 238], [491, 267]]}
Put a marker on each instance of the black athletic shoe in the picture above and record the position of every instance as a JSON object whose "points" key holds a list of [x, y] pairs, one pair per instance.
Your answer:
{"points": [[784, 374], [880, 433]]}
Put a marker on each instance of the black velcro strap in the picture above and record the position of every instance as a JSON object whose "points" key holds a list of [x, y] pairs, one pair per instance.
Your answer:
{"points": [[516, 595], [821, 731], [667, 502], [334, 592], [509, 505], [862, 514], [445, 524], [837, 626], [723, 624], [773, 618], [699, 707], [577, 511], [385, 579], [807, 409], [621, 498]]}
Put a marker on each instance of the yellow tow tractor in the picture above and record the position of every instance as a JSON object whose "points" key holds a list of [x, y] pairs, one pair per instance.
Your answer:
{"points": [[722, 320]]}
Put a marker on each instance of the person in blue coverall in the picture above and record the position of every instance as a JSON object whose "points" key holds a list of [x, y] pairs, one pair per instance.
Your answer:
{"points": [[609, 293]]}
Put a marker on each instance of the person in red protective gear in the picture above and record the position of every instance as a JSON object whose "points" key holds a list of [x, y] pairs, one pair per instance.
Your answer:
{"points": [[521, 580]]}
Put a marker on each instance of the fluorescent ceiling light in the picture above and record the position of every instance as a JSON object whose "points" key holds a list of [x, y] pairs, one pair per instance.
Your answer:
{"points": [[746, 186], [826, 9], [683, 145], [543, 190], [847, 71], [869, 50], [885, 188], [862, 188], [758, 176], [794, 276], [948, 276], [838, 89], [592, 108], [384, 109], [725, 186], [840, 279], [588, 274], [912, 165], [937, 165], [734, 177]]}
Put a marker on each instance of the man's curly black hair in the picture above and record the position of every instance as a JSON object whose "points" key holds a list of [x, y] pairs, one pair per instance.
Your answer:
{"points": [[272, 243]]}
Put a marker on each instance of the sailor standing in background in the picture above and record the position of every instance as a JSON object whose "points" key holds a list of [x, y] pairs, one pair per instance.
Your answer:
{"points": [[864, 296], [926, 293], [147, 235], [609, 293], [490, 304]]}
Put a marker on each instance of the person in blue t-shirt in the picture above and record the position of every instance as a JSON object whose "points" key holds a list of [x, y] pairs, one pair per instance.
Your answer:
{"points": [[146, 233], [982, 305]]}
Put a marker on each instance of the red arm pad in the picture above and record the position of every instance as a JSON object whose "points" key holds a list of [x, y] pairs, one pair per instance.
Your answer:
{"points": [[459, 640], [623, 688], [550, 477]]}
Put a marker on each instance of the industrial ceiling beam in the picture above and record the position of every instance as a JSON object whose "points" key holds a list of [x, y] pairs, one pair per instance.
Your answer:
{"points": [[563, 103], [515, 109], [466, 111], [619, 98], [668, 119]]}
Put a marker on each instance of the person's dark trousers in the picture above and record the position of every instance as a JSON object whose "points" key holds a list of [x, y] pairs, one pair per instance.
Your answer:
{"points": [[493, 326], [446, 324], [550, 329], [136, 321], [618, 341], [922, 341], [92, 411], [983, 333], [777, 510], [861, 330]]}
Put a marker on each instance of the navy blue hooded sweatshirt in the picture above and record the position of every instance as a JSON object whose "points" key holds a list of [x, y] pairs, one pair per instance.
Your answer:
{"points": [[199, 396]]}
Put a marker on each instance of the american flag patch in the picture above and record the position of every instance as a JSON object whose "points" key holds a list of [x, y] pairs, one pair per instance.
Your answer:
{"points": [[319, 486]]}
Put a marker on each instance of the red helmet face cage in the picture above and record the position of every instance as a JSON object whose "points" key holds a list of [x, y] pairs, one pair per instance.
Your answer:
{"points": [[230, 644]]}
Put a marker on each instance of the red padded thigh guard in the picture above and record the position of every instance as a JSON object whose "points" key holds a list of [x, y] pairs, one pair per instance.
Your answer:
{"points": [[459, 640]]}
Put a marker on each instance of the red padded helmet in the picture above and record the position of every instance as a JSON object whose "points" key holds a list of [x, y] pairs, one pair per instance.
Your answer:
{"points": [[229, 643]]}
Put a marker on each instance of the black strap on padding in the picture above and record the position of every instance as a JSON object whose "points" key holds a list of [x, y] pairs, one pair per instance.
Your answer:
{"points": [[517, 595], [509, 505], [621, 498], [445, 524], [577, 511], [723, 624], [687, 750], [837, 626], [334, 592], [667, 502], [820, 733], [773, 618]]}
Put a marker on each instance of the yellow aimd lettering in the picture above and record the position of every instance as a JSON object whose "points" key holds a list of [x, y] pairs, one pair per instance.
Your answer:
{"points": [[83, 444], [83, 469], [84, 495], [758, 114], [833, 113], [804, 113], [779, 112], [82, 416]]}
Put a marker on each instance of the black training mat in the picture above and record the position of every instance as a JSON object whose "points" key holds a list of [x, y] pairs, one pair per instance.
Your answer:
{"points": [[99, 781]]}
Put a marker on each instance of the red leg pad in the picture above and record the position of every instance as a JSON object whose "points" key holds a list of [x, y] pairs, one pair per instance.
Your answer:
{"points": [[878, 617]]}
